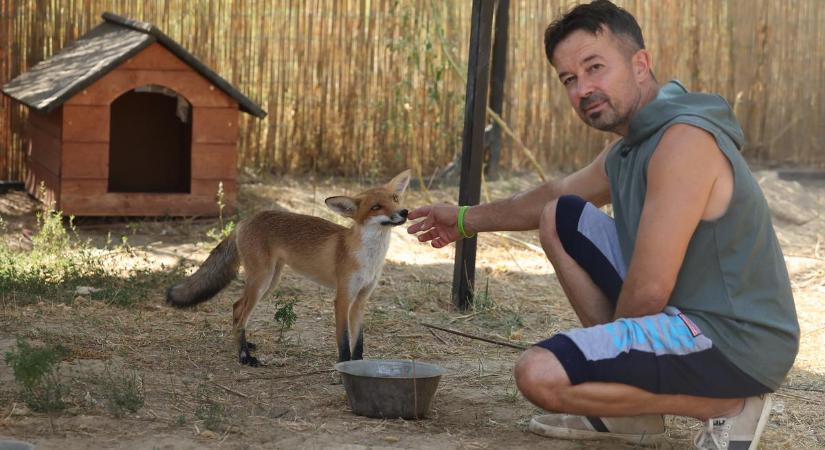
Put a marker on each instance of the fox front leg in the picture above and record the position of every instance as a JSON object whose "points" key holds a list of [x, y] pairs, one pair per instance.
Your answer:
{"points": [[347, 353], [343, 347], [356, 322], [358, 350], [342, 325]]}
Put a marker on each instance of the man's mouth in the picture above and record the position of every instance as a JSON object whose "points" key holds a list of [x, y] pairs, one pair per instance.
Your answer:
{"points": [[593, 103], [592, 108]]}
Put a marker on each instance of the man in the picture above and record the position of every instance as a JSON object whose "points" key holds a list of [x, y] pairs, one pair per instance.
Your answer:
{"points": [[684, 297]]}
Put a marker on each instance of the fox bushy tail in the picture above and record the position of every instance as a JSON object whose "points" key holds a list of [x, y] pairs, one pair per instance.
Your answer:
{"points": [[219, 269]]}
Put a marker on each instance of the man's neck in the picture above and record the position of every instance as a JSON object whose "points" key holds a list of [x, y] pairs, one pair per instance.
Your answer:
{"points": [[649, 92]]}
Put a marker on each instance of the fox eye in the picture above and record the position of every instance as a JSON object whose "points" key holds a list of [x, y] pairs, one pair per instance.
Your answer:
{"points": [[395, 198], [375, 207]]}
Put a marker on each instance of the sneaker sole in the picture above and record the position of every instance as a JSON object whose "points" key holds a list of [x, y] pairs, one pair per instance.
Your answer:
{"points": [[550, 431], [763, 420]]}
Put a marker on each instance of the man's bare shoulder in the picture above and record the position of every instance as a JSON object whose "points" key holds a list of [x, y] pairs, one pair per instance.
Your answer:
{"points": [[683, 136]]}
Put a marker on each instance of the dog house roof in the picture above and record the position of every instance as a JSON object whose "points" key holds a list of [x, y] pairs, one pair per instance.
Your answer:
{"points": [[53, 81]]}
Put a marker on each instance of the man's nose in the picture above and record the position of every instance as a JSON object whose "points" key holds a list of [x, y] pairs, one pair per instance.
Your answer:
{"points": [[586, 89]]}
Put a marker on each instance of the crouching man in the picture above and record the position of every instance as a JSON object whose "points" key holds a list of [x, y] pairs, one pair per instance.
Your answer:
{"points": [[683, 295]]}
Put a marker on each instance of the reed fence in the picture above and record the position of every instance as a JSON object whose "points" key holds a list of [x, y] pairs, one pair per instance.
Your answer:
{"points": [[362, 87]]}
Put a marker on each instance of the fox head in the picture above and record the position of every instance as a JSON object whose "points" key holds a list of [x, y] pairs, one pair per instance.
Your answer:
{"points": [[376, 206]]}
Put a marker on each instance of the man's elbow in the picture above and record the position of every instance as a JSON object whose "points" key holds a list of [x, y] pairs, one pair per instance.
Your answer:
{"points": [[650, 299], [655, 297]]}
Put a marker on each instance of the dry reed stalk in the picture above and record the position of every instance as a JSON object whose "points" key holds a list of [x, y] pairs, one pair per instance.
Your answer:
{"points": [[360, 88]]}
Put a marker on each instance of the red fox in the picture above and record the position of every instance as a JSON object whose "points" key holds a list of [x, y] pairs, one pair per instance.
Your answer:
{"points": [[347, 259]]}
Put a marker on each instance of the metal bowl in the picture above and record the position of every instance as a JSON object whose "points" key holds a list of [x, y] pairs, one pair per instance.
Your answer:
{"points": [[390, 388], [10, 444]]}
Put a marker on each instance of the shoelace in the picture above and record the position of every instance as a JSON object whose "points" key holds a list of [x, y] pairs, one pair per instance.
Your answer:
{"points": [[713, 437]]}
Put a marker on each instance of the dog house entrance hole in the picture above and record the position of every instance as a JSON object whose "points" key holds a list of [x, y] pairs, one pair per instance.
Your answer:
{"points": [[150, 141]]}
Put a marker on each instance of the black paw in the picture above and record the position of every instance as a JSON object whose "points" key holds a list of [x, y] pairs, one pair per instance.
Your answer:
{"points": [[249, 360], [358, 353], [251, 346]]}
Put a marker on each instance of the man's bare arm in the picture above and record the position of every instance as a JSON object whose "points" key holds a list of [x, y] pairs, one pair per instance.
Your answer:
{"points": [[522, 211], [682, 180]]}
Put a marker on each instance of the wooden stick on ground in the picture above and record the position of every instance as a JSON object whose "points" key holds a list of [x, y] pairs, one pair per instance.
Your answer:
{"points": [[467, 335], [249, 377], [440, 339], [232, 391]]}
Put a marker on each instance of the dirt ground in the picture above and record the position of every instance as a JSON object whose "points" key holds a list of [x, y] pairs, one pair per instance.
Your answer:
{"points": [[185, 358]]}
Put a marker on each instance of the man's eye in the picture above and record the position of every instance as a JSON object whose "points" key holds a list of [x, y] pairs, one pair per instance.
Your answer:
{"points": [[594, 67], [376, 207], [567, 81]]}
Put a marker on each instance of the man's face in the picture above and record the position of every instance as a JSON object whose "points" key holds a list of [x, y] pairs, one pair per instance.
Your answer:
{"points": [[597, 73]]}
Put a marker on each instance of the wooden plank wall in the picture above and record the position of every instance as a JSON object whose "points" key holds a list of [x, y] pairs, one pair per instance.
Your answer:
{"points": [[43, 156], [86, 142]]}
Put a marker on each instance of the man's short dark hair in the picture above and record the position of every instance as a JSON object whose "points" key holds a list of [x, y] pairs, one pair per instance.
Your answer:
{"points": [[592, 17]]}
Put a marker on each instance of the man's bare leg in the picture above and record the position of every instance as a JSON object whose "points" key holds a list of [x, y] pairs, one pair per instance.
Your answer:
{"points": [[542, 379], [588, 301]]}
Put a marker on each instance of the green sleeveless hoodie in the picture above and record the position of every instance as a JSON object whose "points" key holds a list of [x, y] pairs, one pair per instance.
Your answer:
{"points": [[733, 282]]}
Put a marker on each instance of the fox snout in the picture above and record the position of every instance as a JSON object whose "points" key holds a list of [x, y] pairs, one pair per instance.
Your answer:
{"points": [[397, 218]]}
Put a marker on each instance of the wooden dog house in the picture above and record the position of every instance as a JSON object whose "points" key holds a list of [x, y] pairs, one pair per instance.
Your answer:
{"points": [[126, 122]]}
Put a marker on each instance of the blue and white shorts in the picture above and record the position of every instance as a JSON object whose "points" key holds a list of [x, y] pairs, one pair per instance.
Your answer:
{"points": [[664, 353]]}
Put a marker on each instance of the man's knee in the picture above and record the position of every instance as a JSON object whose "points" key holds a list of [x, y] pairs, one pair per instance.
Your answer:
{"points": [[539, 374], [547, 227], [567, 213], [559, 222]]}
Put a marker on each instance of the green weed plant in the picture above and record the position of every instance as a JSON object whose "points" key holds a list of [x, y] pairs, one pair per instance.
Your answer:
{"points": [[59, 262], [36, 372]]}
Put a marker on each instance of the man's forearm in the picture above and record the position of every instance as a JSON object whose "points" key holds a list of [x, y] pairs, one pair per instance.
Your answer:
{"points": [[520, 212], [640, 299]]}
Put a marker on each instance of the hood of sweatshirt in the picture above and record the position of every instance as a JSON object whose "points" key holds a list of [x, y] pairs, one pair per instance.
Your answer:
{"points": [[674, 100]]}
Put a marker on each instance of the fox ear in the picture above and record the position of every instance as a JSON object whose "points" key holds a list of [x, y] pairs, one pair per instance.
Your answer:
{"points": [[342, 205], [400, 182]]}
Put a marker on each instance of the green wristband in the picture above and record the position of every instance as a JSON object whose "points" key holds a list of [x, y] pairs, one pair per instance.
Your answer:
{"points": [[461, 211]]}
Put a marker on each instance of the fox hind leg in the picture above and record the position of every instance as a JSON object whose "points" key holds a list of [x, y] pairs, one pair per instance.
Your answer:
{"points": [[258, 283]]}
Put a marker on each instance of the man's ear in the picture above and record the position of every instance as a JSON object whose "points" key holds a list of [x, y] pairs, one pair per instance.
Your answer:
{"points": [[345, 206], [642, 64], [400, 182]]}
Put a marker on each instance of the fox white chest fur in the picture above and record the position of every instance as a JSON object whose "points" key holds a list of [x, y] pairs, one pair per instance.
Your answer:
{"points": [[375, 241]]}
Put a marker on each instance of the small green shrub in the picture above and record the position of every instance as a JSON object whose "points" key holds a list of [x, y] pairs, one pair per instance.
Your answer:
{"points": [[123, 392], [285, 314], [212, 415], [483, 301], [59, 263], [35, 370], [224, 229], [209, 411]]}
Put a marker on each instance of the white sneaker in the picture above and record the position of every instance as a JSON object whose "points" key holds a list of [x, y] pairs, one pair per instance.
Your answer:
{"points": [[739, 432], [639, 430]]}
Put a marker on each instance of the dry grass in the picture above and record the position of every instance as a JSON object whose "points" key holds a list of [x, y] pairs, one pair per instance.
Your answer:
{"points": [[195, 394]]}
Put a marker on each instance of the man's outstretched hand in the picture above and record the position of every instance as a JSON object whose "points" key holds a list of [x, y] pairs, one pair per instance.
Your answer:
{"points": [[439, 226]]}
